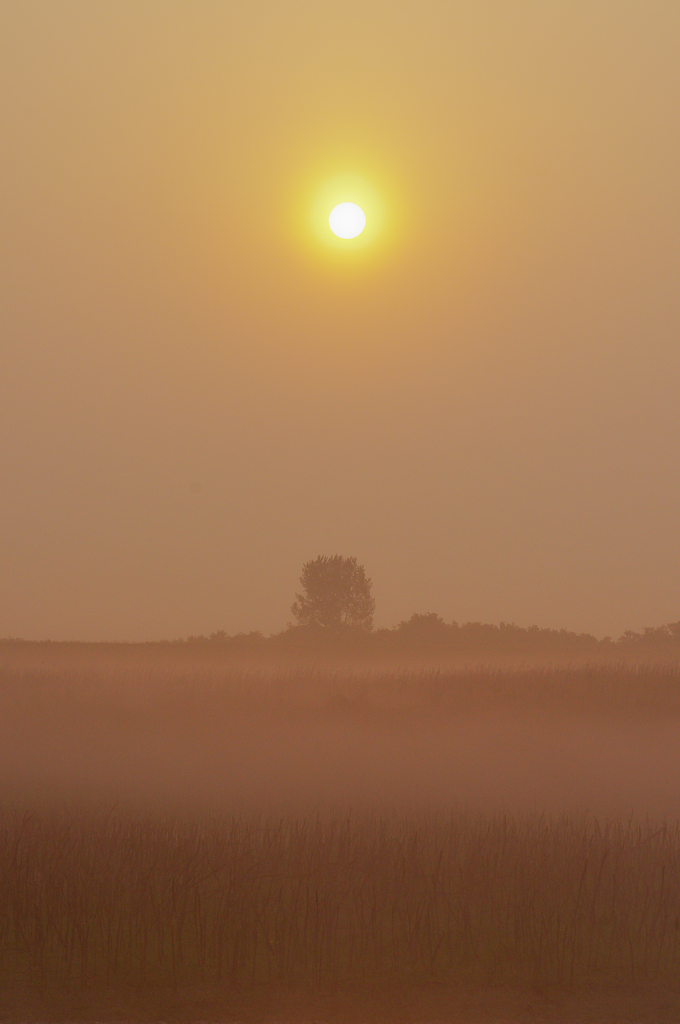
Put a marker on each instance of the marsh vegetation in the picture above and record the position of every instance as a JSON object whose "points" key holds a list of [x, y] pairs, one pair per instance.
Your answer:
{"points": [[222, 835]]}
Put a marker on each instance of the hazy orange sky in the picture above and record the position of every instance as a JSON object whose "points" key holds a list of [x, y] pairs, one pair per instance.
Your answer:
{"points": [[478, 398]]}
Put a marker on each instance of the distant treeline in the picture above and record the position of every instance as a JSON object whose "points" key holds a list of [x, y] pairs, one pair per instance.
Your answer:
{"points": [[424, 634], [430, 633]]}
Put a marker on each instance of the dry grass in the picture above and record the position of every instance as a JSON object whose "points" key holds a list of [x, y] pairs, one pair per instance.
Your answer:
{"points": [[335, 901], [293, 876]]}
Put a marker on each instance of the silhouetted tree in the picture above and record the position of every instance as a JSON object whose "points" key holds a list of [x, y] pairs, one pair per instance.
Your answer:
{"points": [[336, 592]]}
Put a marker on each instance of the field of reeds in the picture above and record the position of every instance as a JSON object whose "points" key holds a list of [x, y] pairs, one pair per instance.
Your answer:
{"points": [[336, 901], [237, 835]]}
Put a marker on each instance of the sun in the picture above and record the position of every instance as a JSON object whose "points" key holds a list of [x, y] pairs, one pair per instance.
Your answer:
{"points": [[342, 216], [347, 220]]}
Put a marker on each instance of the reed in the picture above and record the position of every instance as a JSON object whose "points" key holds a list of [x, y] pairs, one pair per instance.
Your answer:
{"points": [[168, 892], [119, 901]]}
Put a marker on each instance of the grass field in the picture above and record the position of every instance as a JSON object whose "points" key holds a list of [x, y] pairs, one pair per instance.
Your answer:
{"points": [[218, 839], [336, 901]]}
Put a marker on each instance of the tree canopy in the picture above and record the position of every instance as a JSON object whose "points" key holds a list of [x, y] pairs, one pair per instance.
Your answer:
{"points": [[335, 592]]}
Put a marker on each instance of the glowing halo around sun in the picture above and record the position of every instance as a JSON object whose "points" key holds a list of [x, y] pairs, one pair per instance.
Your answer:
{"points": [[324, 196], [347, 220]]}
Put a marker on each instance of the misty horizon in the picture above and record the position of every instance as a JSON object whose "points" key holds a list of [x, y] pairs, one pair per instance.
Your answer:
{"points": [[650, 633]]}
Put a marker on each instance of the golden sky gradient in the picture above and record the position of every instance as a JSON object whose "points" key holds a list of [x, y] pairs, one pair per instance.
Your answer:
{"points": [[202, 387]]}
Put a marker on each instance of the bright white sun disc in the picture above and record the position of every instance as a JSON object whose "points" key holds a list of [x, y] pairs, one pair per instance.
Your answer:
{"points": [[347, 220]]}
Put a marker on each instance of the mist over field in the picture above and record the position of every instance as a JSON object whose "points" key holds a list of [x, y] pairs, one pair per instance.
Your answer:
{"points": [[186, 837], [599, 740]]}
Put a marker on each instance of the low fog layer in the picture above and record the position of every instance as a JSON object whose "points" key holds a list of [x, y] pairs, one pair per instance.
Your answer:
{"points": [[602, 741]]}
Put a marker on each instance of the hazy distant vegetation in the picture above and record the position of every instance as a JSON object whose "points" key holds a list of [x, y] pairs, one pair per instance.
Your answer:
{"points": [[424, 638], [333, 615], [428, 634], [336, 593], [334, 612]]}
